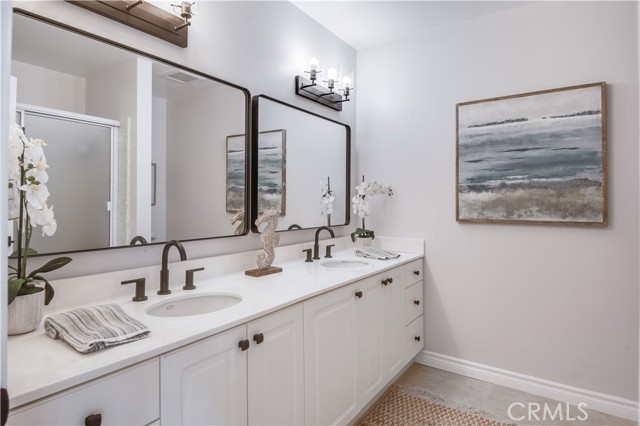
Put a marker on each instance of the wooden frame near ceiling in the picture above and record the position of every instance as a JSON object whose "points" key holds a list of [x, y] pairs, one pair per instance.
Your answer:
{"points": [[143, 17]]}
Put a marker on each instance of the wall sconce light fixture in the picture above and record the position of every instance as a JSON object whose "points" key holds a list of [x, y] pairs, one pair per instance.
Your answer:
{"points": [[146, 17], [325, 95]]}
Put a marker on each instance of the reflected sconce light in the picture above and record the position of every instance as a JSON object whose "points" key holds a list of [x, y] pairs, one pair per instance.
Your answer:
{"points": [[324, 95], [146, 17]]}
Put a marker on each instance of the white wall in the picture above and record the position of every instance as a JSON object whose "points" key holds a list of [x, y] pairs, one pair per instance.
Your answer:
{"points": [[259, 45], [111, 93], [197, 128], [558, 303], [40, 86], [159, 157]]}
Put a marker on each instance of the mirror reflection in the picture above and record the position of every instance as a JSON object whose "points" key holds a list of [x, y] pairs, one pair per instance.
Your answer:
{"points": [[137, 148], [302, 166]]}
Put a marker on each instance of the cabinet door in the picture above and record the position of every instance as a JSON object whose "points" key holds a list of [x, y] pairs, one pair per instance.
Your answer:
{"points": [[331, 357], [127, 397], [206, 382], [393, 323], [370, 309], [276, 369]]}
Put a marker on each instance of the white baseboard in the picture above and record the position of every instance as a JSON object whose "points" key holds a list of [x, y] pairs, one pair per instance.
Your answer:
{"points": [[597, 401]]}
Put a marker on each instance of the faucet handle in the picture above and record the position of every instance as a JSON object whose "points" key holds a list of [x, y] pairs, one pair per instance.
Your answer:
{"points": [[139, 282], [188, 285], [328, 252], [308, 259]]}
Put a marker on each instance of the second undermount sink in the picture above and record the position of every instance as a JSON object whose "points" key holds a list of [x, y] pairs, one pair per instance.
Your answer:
{"points": [[196, 304], [344, 263]]}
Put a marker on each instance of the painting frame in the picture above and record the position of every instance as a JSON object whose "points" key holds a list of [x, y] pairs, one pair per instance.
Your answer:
{"points": [[282, 182], [596, 183]]}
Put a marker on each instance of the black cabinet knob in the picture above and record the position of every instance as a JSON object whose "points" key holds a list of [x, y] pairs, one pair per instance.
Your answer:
{"points": [[258, 338], [385, 282], [390, 280], [416, 302], [416, 272], [93, 420], [358, 294], [244, 345], [417, 338]]}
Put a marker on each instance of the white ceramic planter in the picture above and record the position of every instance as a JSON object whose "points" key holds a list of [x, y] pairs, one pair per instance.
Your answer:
{"points": [[25, 313], [363, 242]]}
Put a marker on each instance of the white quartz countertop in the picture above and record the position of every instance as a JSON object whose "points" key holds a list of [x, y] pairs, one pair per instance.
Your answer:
{"points": [[39, 366]]}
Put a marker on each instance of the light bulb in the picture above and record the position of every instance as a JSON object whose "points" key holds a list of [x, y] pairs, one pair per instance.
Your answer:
{"points": [[332, 74], [346, 82], [314, 64]]}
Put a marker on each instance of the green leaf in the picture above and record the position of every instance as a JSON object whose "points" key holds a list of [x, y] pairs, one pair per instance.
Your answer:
{"points": [[27, 251], [51, 265], [14, 287], [49, 293]]}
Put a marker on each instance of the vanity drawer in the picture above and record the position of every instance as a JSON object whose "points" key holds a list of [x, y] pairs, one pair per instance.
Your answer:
{"points": [[128, 397], [413, 272], [414, 338], [413, 302]]}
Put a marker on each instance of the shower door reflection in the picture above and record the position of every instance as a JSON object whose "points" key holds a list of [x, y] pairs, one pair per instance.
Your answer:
{"points": [[79, 153]]}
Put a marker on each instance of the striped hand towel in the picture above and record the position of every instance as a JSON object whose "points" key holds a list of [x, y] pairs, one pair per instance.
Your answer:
{"points": [[98, 327]]}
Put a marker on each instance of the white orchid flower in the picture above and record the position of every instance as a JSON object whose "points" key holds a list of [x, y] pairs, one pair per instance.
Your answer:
{"points": [[36, 195], [50, 228]]}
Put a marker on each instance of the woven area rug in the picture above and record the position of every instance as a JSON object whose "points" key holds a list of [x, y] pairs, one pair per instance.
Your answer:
{"points": [[404, 406]]}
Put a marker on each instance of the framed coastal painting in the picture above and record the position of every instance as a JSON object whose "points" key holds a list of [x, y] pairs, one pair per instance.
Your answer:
{"points": [[271, 171], [536, 157]]}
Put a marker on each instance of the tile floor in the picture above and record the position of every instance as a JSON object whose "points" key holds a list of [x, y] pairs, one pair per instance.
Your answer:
{"points": [[494, 399]]}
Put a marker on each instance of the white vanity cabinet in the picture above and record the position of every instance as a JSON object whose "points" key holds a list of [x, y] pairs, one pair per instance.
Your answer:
{"points": [[276, 368], [355, 344], [413, 336], [317, 362], [130, 396], [251, 374], [206, 382], [332, 356]]}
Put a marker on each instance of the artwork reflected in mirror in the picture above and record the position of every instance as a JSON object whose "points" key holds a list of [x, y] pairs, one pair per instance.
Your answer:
{"points": [[303, 167], [272, 156], [108, 114]]}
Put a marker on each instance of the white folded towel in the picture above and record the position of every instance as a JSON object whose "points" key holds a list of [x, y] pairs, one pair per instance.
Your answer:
{"points": [[376, 253], [94, 328]]}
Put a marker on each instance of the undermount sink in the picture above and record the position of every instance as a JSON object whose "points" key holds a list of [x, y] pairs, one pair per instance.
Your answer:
{"points": [[196, 304], [344, 263]]}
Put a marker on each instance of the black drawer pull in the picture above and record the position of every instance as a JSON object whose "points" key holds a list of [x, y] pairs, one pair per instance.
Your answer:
{"points": [[358, 294], [416, 273], [244, 345], [385, 282], [93, 420], [258, 338], [416, 302], [417, 338], [390, 280]]}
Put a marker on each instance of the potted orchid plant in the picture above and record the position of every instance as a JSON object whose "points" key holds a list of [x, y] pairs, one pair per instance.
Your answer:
{"points": [[327, 197], [360, 203], [28, 194]]}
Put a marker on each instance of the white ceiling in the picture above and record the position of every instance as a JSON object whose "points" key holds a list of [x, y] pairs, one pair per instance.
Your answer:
{"points": [[364, 24], [50, 47]]}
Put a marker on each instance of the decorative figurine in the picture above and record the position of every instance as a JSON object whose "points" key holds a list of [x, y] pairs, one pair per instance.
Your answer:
{"points": [[269, 241], [238, 217]]}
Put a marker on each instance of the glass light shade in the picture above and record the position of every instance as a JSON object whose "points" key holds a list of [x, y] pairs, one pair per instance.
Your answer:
{"points": [[346, 82], [314, 64], [332, 74]]}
